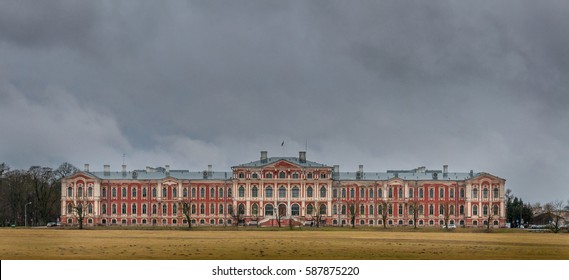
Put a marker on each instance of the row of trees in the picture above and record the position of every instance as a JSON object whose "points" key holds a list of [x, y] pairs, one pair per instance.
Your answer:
{"points": [[39, 185]]}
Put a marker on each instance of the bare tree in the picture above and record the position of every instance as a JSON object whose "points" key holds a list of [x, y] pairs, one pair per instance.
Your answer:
{"points": [[489, 217], [79, 213], [414, 209], [384, 205], [187, 211], [353, 208], [555, 211], [281, 212]]}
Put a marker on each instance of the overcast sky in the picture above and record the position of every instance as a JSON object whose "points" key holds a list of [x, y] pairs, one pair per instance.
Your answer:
{"points": [[481, 85]]}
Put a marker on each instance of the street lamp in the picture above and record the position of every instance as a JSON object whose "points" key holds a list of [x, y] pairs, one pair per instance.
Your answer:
{"points": [[26, 214]]}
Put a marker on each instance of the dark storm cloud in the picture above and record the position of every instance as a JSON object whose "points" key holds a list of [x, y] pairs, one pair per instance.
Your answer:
{"points": [[390, 84]]}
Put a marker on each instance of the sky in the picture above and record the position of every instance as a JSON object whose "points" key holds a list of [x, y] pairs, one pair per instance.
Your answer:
{"points": [[476, 85]]}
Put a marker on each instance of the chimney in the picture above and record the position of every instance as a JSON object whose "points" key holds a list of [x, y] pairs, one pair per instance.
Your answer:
{"points": [[445, 170], [336, 172], [86, 167], [360, 173], [263, 156], [209, 170], [167, 168], [302, 156], [124, 169], [107, 170]]}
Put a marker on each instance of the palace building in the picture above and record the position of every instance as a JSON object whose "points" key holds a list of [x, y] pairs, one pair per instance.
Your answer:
{"points": [[283, 191]]}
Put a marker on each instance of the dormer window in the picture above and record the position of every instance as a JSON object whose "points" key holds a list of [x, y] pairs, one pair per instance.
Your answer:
{"points": [[255, 176], [282, 175], [241, 175], [295, 175], [269, 175]]}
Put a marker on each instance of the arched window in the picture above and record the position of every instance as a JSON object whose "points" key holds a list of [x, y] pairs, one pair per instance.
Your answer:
{"points": [[202, 209], [133, 192], [451, 210], [461, 192], [475, 210], [421, 193], [309, 176], [362, 210], [400, 192], [322, 192], [352, 193], [485, 193], [144, 192], [202, 192], [193, 208], [380, 210], [309, 192], [441, 209], [80, 191], [295, 192], [255, 191], [154, 192], [69, 208], [282, 192], [269, 175], [295, 210], [221, 192], [104, 208], [431, 193], [379, 193], [441, 193], [362, 193], [123, 192], [269, 192], [144, 209], [343, 210], [496, 193], [255, 209], [475, 193], [371, 209], [323, 209], [421, 210], [174, 209], [241, 175], [255, 176], [495, 209], [241, 191], [461, 210], [174, 192], [370, 193], [212, 193], [193, 192], [282, 175], [164, 192], [335, 209], [220, 209], [154, 209], [211, 208], [229, 192], [390, 209], [410, 193], [104, 192], [485, 210], [451, 193], [309, 209], [90, 192], [268, 209], [133, 209], [164, 209], [123, 209], [400, 209], [295, 175], [431, 209], [343, 193], [114, 209], [185, 192]]}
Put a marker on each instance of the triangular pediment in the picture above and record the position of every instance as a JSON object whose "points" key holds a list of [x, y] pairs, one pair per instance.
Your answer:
{"points": [[81, 175], [488, 176], [282, 164], [395, 181]]}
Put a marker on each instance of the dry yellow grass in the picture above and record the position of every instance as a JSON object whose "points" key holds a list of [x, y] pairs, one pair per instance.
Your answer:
{"points": [[30, 244]]}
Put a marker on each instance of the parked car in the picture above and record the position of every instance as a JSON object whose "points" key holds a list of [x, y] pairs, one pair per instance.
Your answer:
{"points": [[450, 226], [52, 224]]}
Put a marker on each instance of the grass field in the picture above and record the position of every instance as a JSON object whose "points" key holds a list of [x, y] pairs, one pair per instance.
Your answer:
{"points": [[53, 244]]}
